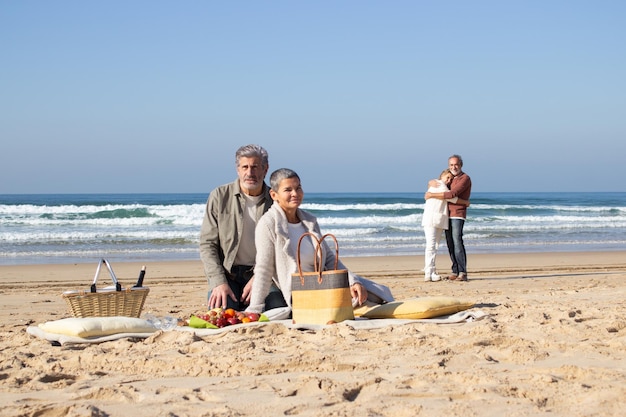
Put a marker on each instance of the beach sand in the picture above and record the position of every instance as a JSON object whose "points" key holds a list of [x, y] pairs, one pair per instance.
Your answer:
{"points": [[554, 343]]}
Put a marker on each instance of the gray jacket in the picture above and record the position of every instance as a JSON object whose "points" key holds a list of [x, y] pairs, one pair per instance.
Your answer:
{"points": [[221, 229]]}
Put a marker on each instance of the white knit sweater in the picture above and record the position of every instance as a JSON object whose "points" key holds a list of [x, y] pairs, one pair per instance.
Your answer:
{"points": [[276, 261]]}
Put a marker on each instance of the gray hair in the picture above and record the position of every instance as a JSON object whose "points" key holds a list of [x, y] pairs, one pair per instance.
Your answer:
{"points": [[281, 174], [457, 157], [252, 151]]}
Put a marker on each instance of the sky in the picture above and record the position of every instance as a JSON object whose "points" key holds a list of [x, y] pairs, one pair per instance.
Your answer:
{"points": [[356, 96]]}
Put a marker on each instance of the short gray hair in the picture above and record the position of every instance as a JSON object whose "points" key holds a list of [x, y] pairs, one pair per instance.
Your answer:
{"points": [[252, 151], [281, 174], [457, 157]]}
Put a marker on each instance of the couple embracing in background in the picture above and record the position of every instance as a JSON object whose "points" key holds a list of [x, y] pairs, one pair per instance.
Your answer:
{"points": [[445, 209]]}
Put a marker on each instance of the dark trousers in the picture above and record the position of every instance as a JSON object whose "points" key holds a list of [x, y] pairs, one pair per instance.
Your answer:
{"points": [[456, 246], [238, 278]]}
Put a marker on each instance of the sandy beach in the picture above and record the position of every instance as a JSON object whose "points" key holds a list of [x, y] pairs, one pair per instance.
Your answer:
{"points": [[554, 343]]}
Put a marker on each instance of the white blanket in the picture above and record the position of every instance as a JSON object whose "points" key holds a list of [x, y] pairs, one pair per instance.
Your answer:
{"points": [[359, 323]]}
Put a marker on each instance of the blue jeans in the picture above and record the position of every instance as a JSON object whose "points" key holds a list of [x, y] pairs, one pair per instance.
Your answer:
{"points": [[456, 247]]}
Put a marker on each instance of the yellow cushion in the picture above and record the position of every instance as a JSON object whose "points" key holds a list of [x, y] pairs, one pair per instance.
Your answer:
{"points": [[417, 308], [97, 326]]}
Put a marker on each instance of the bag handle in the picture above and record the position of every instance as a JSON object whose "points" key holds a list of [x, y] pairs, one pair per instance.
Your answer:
{"points": [[118, 286], [318, 252]]}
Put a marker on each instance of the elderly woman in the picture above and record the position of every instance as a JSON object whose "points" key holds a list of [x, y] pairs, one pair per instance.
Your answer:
{"points": [[276, 238]]}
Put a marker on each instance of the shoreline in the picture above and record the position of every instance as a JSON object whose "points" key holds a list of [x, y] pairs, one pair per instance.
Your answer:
{"points": [[379, 266]]}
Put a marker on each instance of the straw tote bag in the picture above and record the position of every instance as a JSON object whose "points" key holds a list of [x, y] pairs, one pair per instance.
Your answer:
{"points": [[320, 297]]}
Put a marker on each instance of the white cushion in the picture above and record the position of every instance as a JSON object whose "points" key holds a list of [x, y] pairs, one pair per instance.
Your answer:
{"points": [[97, 326]]}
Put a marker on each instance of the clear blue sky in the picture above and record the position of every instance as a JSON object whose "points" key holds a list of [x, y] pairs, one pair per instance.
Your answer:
{"points": [[155, 96]]}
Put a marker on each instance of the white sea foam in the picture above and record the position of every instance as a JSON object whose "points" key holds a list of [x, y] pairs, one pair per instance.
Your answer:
{"points": [[167, 226]]}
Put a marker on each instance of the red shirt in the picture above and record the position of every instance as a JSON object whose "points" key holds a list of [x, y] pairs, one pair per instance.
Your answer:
{"points": [[461, 187]]}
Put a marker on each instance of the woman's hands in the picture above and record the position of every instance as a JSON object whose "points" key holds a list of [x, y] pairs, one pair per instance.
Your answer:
{"points": [[358, 292]]}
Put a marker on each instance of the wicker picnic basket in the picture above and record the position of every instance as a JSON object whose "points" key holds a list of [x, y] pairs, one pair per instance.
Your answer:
{"points": [[107, 302]]}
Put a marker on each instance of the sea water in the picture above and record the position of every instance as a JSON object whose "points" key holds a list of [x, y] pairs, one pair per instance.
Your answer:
{"points": [[79, 228]]}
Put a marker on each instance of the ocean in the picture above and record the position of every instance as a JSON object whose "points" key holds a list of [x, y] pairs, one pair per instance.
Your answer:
{"points": [[83, 228]]}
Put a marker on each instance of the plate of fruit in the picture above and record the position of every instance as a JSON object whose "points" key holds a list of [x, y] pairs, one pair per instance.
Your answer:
{"points": [[218, 318]]}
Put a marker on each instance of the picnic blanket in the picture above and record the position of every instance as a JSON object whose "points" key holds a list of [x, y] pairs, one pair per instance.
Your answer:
{"points": [[59, 339]]}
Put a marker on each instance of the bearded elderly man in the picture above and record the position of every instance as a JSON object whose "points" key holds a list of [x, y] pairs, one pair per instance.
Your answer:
{"points": [[227, 247]]}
